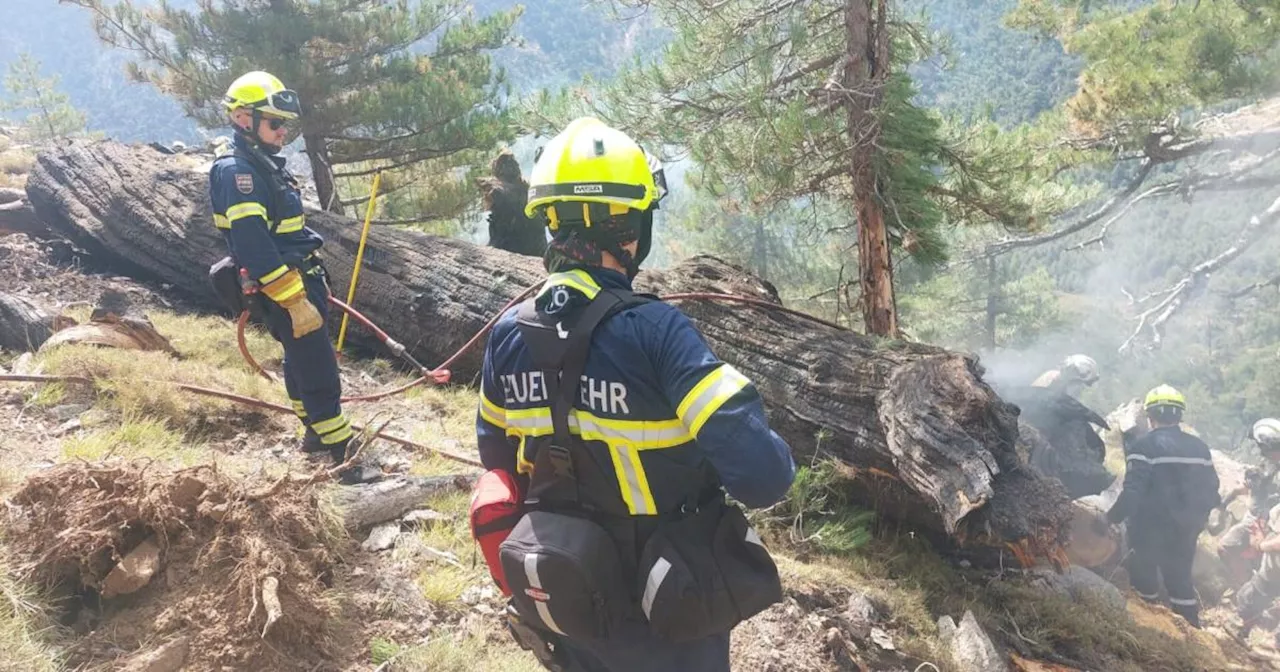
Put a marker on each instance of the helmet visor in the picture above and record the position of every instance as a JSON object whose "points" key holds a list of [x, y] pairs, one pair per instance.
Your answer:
{"points": [[659, 176], [283, 104]]}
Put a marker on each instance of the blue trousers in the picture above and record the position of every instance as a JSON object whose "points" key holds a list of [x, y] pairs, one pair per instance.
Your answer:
{"points": [[311, 368], [638, 650]]}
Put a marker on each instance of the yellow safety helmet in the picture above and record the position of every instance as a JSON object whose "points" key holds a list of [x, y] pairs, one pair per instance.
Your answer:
{"points": [[263, 93], [590, 163], [1165, 395]]}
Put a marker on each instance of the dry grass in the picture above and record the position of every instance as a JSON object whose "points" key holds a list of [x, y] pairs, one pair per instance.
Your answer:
{"points": [[23, 622], [134, 438], [132, 384], [442, 584], [471, 651], [16, 161]]}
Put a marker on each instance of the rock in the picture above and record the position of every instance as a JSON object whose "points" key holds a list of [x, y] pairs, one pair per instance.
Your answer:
{"points": [[382, 537], [168, 658], [134, 571], [186, 490], [882, 639], [212, 510], [24, 364], [424, 516], [67, 427], [971, 648], [861, 613], [1079, 585], [66, 412], [393, 464], [862, 609], [94, 417], [477, 594]]}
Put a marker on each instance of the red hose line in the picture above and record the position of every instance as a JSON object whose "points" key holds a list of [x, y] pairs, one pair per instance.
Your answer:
{"points": [[440, 375], [244, 347], [442, 369], [359, 317], [233, 397]]}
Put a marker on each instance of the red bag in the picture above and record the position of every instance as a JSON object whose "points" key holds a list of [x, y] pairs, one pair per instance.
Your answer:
{"points": [[495, 509]]}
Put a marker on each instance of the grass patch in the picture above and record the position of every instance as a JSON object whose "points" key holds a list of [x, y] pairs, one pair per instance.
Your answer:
{"points": [[454, 408], [48, 396], [23, 623], [16, 161], [133, 384], [134, 438], [442, 585], [383, 650], [468, 652]]}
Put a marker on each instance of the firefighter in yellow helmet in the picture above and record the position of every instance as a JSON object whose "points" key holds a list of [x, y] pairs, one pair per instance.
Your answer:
{"points": [[258, 208], [1170, 486], [628, 557]]}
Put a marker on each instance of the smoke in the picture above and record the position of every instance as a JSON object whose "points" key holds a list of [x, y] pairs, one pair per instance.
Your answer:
{"points": [[1207, 348]]}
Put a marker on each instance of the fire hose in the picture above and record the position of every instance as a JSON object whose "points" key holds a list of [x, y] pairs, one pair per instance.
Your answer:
{"points": [[438, 375], [441, 374]]}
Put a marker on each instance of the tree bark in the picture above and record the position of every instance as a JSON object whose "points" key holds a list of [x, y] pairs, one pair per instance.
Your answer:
{"points": [[17, 215], [322, 173], [928, 442], [865, 72], [24, 326], [369, 504]]}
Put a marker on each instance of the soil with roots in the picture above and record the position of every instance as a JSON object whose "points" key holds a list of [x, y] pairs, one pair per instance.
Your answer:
{"points": [[219, 545]]}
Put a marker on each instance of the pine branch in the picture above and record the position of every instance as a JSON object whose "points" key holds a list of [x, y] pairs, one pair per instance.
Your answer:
{"points": [[1001, 247], [1224, 181], [1274, 281], [1176, 296]]}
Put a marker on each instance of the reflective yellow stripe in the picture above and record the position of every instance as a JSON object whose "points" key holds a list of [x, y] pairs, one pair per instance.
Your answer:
{"points": [[523, 465], [709, 395], [632, 481], [291, 224], [639, 434], [337, 436], [221, 221], [242, 210], [274, 274], [625, 439], [299, 409], [285, 291], [491, 412], [577, 279], [332, 424]]}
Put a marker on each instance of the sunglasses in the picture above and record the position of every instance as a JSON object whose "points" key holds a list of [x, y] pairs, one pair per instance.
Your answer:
{"points": [[277, 124]]}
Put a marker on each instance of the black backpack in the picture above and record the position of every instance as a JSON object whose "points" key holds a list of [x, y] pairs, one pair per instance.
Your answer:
{"points": [[700, 573]]}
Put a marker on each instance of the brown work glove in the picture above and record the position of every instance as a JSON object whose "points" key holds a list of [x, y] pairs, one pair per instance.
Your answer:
{"points": [[302, 314], [291, 294]]}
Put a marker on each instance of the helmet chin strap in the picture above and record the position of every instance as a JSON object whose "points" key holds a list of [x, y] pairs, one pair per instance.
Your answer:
{"points": [[251, 134]]}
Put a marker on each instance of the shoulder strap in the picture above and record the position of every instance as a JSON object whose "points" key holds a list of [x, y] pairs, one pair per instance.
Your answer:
{"points": [[561, 354]]}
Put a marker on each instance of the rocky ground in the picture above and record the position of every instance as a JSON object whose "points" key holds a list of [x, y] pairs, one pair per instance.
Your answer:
{"points": [[143, 524]]}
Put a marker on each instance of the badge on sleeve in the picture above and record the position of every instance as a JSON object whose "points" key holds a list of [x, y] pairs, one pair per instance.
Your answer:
{"points": [[244, 183]]}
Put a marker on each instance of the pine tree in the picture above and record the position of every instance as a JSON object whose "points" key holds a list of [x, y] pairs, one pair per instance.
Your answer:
{"points": [[389, 85], [779, 100], [49, 114]]}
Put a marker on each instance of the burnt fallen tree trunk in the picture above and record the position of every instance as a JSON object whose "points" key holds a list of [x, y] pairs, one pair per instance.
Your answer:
{"points": [[24, 326], [929, 442], [17, 215]]}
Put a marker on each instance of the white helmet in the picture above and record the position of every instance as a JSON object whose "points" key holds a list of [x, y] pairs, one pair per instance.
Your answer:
{"points": [[1080, 367], [1267, 432]]}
